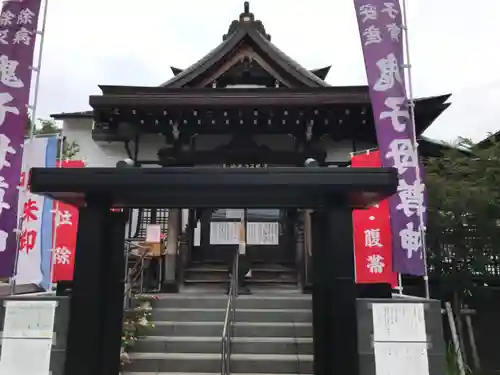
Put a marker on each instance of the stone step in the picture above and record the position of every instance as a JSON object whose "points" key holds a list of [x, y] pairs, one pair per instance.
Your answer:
{"points": [[211, 362], [219, 301], [242, 329], [223, 277], [250, 282], [242, 315], [193, 373], [241, 345]]}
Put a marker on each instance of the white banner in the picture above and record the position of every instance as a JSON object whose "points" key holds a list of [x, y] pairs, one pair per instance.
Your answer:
{"points": [[35, 238]]}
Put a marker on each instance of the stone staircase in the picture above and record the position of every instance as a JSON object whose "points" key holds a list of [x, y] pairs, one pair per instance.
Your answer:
{"points": [[262, 274], [273, 335]]}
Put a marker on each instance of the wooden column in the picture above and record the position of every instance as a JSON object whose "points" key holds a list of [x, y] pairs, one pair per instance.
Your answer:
{"points": [[334, 294], [205, 232], [170, 259], [96, 307]]}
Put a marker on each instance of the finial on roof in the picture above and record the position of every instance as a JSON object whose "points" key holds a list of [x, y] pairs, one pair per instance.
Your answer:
{"points": [[246, 19], [246, 16]]}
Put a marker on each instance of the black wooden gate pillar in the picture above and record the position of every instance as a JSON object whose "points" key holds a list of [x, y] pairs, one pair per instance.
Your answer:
{"points": [[334, 294], [95, 324]]}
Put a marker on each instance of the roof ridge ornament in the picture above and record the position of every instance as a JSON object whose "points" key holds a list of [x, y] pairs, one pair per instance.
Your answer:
{"points": [[246, 19], [246, 16]]}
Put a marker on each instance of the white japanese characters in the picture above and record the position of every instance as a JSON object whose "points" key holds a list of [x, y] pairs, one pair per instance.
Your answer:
{"points": [[3, 36], [404, 155], [17, 29], [390, 73], [8, 75], [62, 217], [368, 12], [411, 240], [372, 35], [3, 186], [3, 205], [22, 36], [3, 240], [372, 238], [25, 17], [394, 32], [5, 150], [412, 198], [375, 263], [6, 18], [390, 10], [395, 113], [62, 255]]}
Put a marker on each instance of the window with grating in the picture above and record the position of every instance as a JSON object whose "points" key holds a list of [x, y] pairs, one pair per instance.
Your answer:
{"points": [[151, 216]]}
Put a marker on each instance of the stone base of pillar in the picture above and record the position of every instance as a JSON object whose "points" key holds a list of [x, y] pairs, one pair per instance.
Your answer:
{"points": [[169, 284]]}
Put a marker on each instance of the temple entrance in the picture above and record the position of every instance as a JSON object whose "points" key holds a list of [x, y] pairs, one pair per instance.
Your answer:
{"points": [[270, 248], [97, 300]]}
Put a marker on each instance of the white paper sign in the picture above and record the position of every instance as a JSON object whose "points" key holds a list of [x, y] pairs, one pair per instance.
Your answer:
{"points": [[401, 322], [29, 319], [261, 233], [401, 358], [25, 356], [153, 233]]}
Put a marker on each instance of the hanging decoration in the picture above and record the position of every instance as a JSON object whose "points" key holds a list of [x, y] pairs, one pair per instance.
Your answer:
{"points": [[372, 234]]}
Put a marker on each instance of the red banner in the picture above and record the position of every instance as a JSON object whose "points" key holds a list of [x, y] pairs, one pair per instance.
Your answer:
{"points": [[65, 222], [372, 234]]}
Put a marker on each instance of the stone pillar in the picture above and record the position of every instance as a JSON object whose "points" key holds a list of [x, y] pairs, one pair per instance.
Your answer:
{"points": [[96, 306], [173, 234], [334, 293]]}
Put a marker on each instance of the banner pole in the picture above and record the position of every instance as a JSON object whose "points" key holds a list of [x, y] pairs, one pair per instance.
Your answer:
{"points": [[32, 136], [400, 284], [415, 143]]}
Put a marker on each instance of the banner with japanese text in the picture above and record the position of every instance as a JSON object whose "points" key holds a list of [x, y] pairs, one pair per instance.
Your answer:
{"points": [[372, 234], [18, 29], [65, 222], [35, 215], [380, 28]]}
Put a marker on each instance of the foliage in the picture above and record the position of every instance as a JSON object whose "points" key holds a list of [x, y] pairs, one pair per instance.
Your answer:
{"points": [[69, 150], [463, 212], [136, 322], [452, 366], [45, 127]]}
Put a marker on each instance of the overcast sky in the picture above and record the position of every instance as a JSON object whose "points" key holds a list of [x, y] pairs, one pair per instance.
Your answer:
{"points": [[453, 44]]}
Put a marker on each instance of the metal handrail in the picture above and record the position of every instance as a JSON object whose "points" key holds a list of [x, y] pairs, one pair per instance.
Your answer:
{"points": [[230, 318], [132, 275]]}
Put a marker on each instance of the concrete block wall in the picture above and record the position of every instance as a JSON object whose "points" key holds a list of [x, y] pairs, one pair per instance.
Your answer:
{"points": [[435, 340]]}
